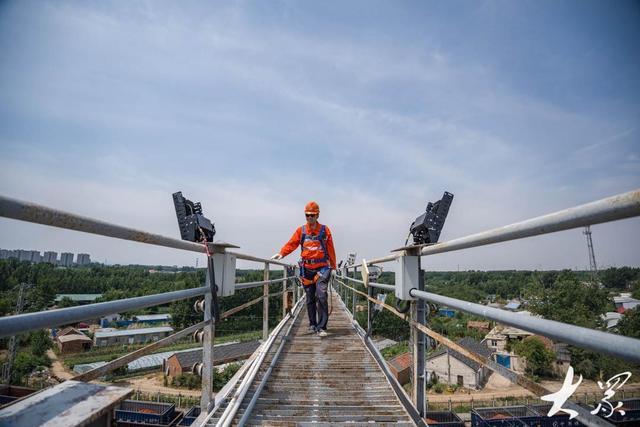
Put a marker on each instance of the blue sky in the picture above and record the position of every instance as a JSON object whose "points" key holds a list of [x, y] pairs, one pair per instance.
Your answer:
{"points": [[370, 108]]}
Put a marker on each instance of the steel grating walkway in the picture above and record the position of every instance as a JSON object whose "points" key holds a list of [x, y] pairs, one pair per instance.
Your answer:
{"points": [[332, 380]]}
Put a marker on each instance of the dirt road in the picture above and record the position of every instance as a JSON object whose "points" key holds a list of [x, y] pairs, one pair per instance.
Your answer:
{"points": [[498, 387], [153, 383], [57, 367]]}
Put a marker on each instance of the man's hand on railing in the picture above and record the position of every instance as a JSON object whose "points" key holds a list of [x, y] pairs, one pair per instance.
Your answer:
{"points": [[277, 256]]}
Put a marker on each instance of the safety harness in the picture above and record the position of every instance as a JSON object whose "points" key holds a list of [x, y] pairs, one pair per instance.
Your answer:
{"points": [[320, 238]]}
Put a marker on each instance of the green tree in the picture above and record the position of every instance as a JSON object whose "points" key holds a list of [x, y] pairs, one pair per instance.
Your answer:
{"points": [[629, 325], [66, 302], [25, 363], [571, 301], [538, 357], [618, 278], [183, 314], [40, 342]]}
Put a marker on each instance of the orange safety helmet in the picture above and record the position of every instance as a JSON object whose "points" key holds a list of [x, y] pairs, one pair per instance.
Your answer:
{"points": [[312, 208]]}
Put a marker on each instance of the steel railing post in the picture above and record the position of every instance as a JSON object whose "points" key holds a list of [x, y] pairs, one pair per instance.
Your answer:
{"points": [[369, 308], [207, 400], [418, 355], [353, 303], [284, 293], [265, 304]]}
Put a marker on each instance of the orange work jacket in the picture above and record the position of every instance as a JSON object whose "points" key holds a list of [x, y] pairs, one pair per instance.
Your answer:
{"points": [[312, 250]]}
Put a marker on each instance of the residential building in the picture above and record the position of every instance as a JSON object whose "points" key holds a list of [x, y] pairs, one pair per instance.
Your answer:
{"points": [[36, 257], [152, 318], [66, 259], [24, 255], [478, 325], [451, 367], [50, 257], [69, 330], [81, 299], [73, 343], [183, 361], [498, 340], [83, 259], [611, 318], [71, 340], [8, 254], [624, 302], [109, 336], [563, 358], [109, 318]]}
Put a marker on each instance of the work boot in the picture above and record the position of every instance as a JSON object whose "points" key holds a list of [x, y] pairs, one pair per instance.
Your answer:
{"points": [[322, 333]]}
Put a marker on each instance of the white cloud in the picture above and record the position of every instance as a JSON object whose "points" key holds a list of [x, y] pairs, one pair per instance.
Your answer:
{"points": [[211, 104]]}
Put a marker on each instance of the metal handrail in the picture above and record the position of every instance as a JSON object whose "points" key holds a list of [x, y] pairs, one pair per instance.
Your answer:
{"points": [[616, 345], [621, 206], [249, 285], [11, 325], [258, 259], [39, 214], [372, 284]]}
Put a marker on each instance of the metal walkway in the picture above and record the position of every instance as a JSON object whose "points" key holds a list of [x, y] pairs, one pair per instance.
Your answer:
{"points": [[332, 380], [341, 379]]}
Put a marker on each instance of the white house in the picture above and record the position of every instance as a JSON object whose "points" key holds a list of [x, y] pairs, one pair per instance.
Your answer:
{"points": [[451, 367]]}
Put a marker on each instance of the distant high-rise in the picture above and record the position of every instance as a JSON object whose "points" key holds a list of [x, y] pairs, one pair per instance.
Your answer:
{"points": [[24, 255], [83, 259], [66, 259], [36, 257], [50, 257]]}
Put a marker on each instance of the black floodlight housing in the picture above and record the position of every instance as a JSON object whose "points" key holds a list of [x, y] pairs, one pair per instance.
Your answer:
{"points": [[427, 227], [194, 227]]}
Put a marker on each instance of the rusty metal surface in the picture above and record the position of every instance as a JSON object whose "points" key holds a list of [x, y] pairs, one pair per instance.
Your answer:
{"points": [[329, 380], [71, 403]]}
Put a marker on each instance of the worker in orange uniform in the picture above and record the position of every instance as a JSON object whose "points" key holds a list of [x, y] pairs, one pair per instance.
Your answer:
{"points": [[316, 267]]}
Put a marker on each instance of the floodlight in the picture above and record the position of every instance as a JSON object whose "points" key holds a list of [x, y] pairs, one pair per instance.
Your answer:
{"points": [[427, 227], [194, 227]]}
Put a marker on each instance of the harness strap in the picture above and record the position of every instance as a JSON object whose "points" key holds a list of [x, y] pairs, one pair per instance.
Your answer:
{"points": [[320, 237]]}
